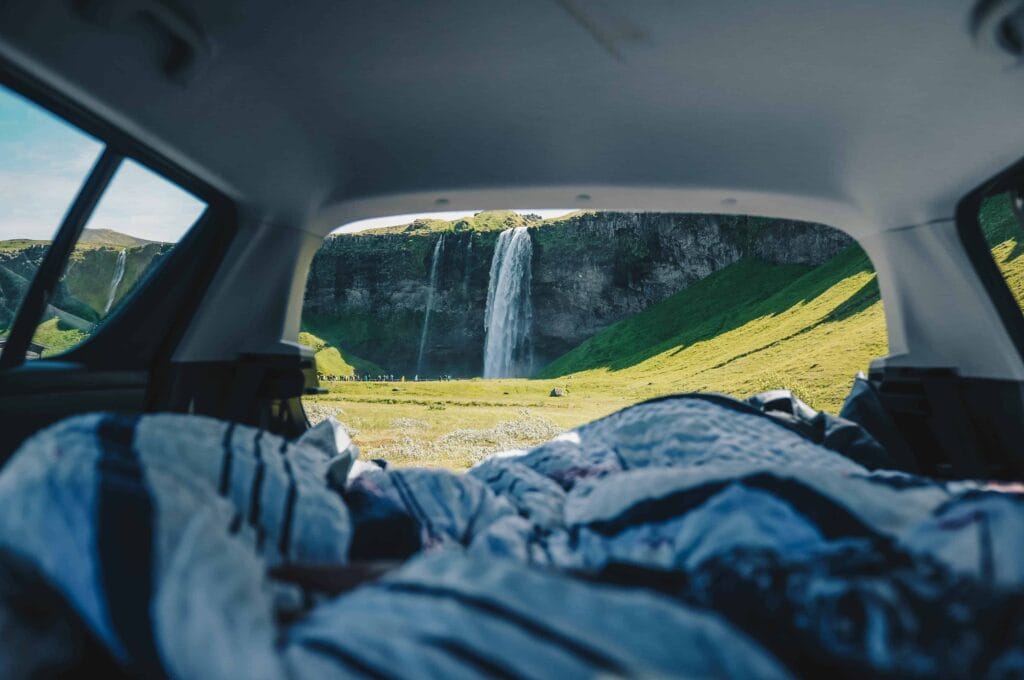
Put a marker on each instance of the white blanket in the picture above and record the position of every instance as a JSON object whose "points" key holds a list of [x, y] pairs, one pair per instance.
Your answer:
{"points": [[676, 538]]}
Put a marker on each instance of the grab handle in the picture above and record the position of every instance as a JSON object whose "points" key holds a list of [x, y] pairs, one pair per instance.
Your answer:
{"points": [[187, 49]]}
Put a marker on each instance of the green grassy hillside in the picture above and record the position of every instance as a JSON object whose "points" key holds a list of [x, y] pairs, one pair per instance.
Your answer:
{"points": [[331, 360], [87, 279], [110, 239], [488, 220], [749, 327], [57, 337]]}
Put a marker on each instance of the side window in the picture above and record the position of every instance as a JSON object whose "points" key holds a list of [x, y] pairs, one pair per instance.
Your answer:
{"points": [[1000, 217], [135, 225], [43, 162], [81, 227]]}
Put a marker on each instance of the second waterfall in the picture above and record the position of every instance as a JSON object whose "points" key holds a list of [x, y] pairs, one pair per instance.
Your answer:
{"points": [[508, 319], [116, 281], [434, 261]]}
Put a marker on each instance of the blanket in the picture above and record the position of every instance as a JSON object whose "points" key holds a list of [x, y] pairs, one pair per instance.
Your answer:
{"points": [[688, 536]]}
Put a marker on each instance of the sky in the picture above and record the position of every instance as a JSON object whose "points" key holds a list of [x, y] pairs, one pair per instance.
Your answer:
{"points": [[43, 162]]}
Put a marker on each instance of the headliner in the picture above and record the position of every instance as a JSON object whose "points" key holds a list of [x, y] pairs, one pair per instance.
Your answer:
{"points": [[866, 115]]}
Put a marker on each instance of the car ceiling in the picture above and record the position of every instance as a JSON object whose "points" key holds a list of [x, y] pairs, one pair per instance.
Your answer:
{"points": [[867, 115]]}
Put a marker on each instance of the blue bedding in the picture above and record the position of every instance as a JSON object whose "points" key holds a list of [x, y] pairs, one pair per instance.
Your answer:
{"points": [[682, 537]]}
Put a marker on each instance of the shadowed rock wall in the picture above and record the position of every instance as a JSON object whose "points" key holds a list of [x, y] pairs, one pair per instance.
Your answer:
{"points": [[367, 292]]}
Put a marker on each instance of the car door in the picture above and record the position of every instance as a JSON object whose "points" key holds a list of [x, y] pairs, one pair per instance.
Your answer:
{"points": [[105, 251]]}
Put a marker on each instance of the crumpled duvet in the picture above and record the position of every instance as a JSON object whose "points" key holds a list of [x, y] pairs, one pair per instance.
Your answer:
{"points": [[680, 537]]}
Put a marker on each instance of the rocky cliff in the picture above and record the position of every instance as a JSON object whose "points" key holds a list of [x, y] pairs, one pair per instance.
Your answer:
{"points": [[85, 288], [367, 292]]}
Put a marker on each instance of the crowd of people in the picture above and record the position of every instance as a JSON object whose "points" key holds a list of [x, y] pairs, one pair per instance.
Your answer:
{"points": [[380, 377]]}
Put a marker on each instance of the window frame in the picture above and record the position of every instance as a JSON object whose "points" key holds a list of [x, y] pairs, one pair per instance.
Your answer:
{"points": [[219, 216], [46, 278], [972, 237]]}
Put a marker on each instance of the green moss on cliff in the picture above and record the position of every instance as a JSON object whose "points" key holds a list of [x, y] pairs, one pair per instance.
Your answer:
{"points": [[744, 229], [405, 253], [328, 359], [496, 220], [332, 360], [488, 220], [87, 280]]}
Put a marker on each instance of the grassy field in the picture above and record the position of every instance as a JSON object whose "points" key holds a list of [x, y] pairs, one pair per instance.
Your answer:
{"points": [[455, 423], [747, 328], [56, 337]]}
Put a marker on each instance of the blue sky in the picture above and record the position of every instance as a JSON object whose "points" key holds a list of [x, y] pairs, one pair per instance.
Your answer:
{"points": [[43, 162]]}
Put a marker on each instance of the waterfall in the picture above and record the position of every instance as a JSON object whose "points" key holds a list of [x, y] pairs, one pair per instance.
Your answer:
{"points": [[508, 318], [116, 281], [467, 267], [438, 251]]}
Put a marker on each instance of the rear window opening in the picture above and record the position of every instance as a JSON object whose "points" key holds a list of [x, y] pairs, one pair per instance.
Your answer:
{"points": [[441, 341]]}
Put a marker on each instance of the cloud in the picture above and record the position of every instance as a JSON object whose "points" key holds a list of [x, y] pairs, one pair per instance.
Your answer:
{"points": [[32, 205], [137, 202], [143, 204], [43, 163]]}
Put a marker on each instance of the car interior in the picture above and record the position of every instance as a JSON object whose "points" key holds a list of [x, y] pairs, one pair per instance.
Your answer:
{"points": [[893, 122]]}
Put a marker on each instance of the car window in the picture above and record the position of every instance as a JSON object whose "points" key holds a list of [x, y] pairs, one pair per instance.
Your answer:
{"points": [[1000, 219], [442, 339], [135, 225], [43, 162]]}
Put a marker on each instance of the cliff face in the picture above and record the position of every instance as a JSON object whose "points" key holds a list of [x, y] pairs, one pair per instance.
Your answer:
{"points": [[17, 267], [367, 292], [85, 287], [90, 273]]}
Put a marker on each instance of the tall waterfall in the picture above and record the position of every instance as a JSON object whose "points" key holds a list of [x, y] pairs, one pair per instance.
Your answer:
{"points": [[508, 319], [116, 281], [467, 264], [438, 251]]}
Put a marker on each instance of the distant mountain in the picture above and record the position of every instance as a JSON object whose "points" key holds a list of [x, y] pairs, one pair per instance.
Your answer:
{"points": [[15, 244], [91, 238], [112, 239]]}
